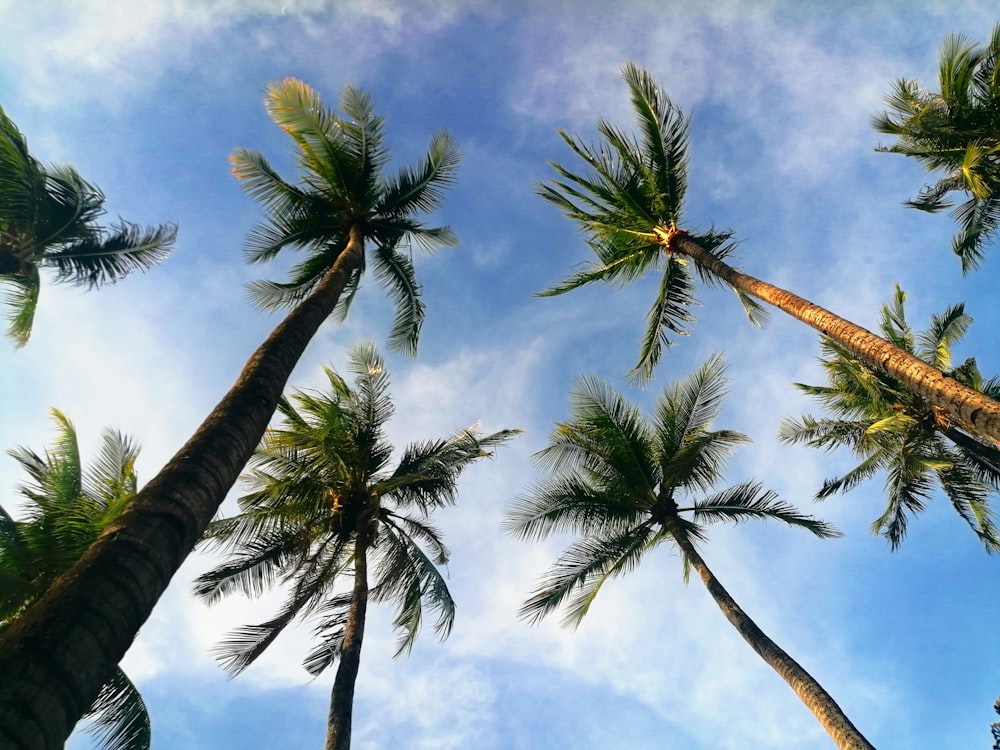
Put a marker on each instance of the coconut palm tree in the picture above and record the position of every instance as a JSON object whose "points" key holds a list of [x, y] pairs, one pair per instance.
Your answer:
{"points": [[625, 484], [955, 131], [896, 432], [48, 220], [65, 508], [341, 208], [630, 205], [325, 508]]}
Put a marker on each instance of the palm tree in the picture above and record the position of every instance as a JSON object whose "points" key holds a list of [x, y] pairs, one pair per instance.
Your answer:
{"points": [[324, 507], [48, 220], [341, 207], [65, 509], [630, 204], [955, 131], [897, 432], [623, 483]]}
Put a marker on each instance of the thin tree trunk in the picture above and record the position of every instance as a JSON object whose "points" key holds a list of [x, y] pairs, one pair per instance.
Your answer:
{"points": [[810, 692], [966, 405], [338, 730], [54, 660]]}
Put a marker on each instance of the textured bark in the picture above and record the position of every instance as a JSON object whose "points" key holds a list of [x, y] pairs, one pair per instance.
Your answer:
{"points": [[810, 692], [54, 660], [338, 729], [967, 406]]}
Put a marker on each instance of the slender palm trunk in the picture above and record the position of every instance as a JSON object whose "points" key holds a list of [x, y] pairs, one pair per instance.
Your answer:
{"points": [[967, 406], [338, 729], [54, 660], [810, 692]]}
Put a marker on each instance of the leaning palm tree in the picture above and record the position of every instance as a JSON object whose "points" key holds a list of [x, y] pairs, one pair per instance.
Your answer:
{"points": [[955, 131], [48, 220], [624, 484], [630, 204], [65, 508], [896, 432], [325, 508], [341, 208]]}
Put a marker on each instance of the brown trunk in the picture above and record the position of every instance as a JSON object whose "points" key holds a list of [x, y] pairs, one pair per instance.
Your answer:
{"points": [[338, 729], [810, 692], [54, 660], [966, 405]]}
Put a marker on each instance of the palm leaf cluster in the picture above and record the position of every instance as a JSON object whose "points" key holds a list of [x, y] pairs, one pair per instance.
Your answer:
{"points": [[624, 483], [630, 204], [955, 130], [341, 157], [896, 433], [48, 219], [320, 486], [65, 508]]}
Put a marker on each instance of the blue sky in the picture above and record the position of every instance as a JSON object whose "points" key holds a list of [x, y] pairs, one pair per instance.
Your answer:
{"points": [[147, 100]]}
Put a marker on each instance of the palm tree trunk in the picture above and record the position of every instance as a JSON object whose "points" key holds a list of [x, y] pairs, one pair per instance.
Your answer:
{"points": [[338, 730], [964, 404], [54, 660], [810, 692]]}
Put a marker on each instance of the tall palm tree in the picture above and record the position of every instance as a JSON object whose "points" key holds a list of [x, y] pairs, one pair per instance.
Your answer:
{"points": [[65, 508], [623, 483], [325, 507], [895, 431], [341, 207], [955, 131], [48, 219], [630, 205]]}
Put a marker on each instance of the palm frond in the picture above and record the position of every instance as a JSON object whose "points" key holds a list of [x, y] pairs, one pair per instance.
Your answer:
{"points": [[20, 298], [670, 312], [118, 717], [395, 272], [580, 572], [750, 501]]}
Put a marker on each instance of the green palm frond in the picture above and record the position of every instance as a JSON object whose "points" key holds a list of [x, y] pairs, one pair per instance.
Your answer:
{"points": [[394, 271], [118, 718], [407, 576], [750, 501], [670, 312], [578, 575], [20, 298], [569, 503]]}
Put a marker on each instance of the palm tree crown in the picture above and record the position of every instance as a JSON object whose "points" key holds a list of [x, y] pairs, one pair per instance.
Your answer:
{"points": [[630, 203], [66, 508], [625, 483], [895, 431], [323, 500], [955, 130], [341, 196], [48, 220]]}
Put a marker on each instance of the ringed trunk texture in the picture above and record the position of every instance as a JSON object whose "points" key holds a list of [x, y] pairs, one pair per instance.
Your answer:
{"points": [[54, 660], [810, 692], [338, 729], [967, 406]]}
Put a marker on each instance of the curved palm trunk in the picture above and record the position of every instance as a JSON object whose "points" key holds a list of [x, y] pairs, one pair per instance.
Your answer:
{"points": [[810, 692], [338, 729], [54, 660], [965, 404]]}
